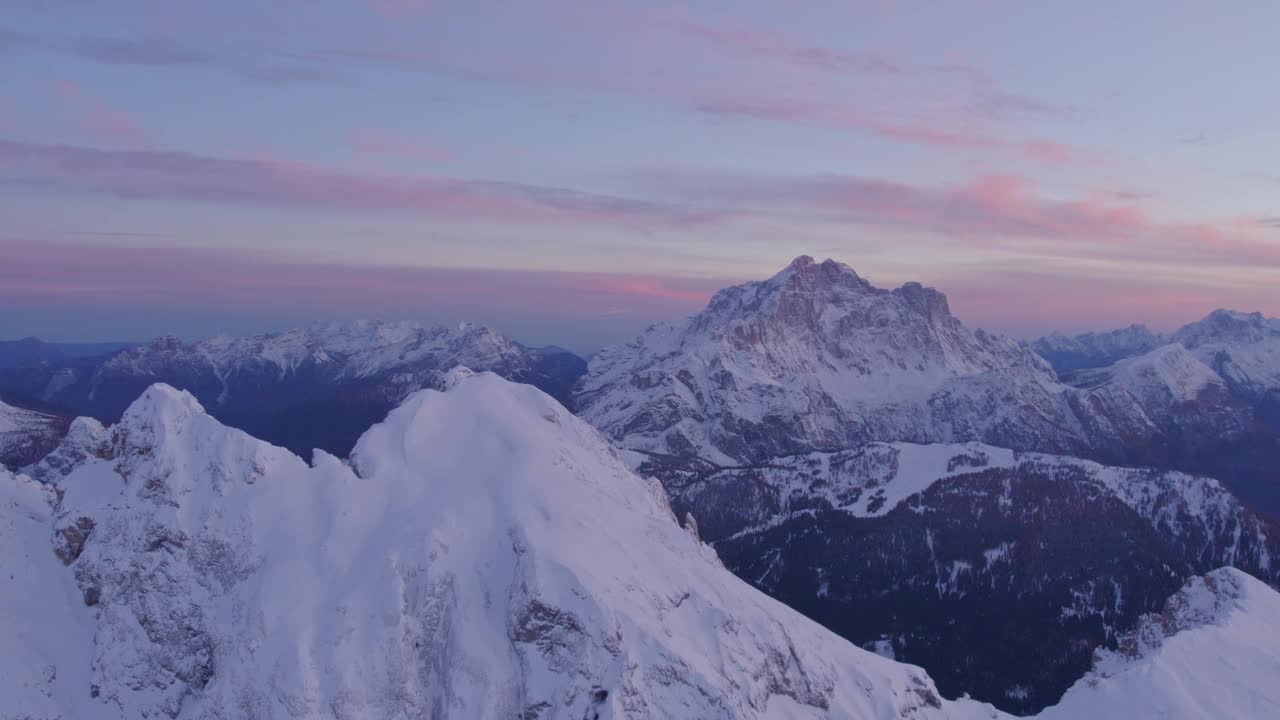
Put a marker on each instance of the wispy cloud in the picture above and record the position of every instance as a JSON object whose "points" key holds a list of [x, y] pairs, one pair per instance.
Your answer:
{"points": [[264, 67], [803, 112], [150, 174], [990, 211]]}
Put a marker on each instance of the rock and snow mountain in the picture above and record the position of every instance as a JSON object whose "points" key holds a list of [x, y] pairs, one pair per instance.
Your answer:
{"points": [[817, 358], [319, 386], [1244, 346], [484, 554], [1210, 653], [1044, 557], [1091, 350], [1212, 394], [26, 435], [792, 417]]}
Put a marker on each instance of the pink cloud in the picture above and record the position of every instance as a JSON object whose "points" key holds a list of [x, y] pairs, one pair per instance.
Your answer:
{"points": [[990, 211], [40, 275], [102, 120], [959, 135], [1047, 151]]}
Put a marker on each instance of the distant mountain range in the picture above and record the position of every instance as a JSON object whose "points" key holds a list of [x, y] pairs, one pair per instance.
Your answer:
{"points": [[316, 387], [15, 353], [990, 510], [816, 358]]}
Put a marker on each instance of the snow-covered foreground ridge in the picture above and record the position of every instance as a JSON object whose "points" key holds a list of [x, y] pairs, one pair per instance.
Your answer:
{"points": [[484, 554], [1214, 652]]}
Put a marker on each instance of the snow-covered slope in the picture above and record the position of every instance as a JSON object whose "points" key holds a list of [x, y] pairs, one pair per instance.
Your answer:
{"points": [[46, 632], [26, 435], [817, 358], [1211, 653], [484, 555]]}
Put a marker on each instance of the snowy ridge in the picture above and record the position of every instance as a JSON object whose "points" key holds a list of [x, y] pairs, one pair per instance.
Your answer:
{"points": [[1212, 653], [1241, 349], [1093, 350], [485, 555], [356, 349]]}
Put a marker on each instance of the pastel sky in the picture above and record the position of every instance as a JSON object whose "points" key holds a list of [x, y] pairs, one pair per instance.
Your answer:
{"points": [[570, 171]]}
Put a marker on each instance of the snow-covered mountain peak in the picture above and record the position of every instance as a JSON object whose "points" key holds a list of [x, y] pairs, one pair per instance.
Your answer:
{"points": [[1229, 326], [161, 406], [493, 558], [814, 357], [1170, 370]]}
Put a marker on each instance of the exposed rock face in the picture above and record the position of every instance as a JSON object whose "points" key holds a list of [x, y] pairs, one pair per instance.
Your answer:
{"points": [[485, 554], [315, 387], [1044, 557], [26, 435]]}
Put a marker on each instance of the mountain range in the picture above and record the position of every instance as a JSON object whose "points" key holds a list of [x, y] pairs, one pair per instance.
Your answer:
{"points": [[442, 572], [1005, 515], [314, 387], [816, 358]]}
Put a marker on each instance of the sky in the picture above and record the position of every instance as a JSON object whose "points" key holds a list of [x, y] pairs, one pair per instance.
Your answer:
{"points": [[570, 171]]}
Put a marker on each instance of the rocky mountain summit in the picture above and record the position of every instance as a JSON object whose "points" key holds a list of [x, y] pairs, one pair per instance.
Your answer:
{"points": [[818, 358]]}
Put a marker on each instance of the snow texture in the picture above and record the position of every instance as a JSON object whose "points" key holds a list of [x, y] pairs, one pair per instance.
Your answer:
{"points": [[485, 554]]}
